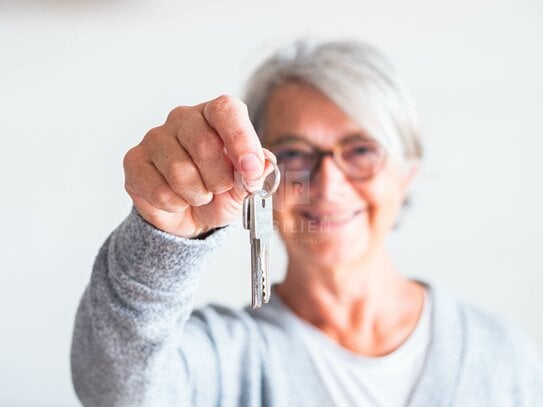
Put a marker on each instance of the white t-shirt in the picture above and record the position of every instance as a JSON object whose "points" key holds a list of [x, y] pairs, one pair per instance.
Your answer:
{"points": [[355, 380]]}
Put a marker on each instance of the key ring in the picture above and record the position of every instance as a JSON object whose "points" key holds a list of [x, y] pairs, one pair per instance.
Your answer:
{"points": [[277, 176]]}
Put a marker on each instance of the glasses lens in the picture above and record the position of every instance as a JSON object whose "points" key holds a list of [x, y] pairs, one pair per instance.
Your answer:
{"points": [[360, 158], [295, 156]]}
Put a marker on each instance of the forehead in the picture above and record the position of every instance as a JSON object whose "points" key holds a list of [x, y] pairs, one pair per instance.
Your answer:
{"points": [[295, 109]]}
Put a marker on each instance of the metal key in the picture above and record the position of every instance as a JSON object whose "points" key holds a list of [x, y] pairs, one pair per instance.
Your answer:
{"points": [[258, 218]]}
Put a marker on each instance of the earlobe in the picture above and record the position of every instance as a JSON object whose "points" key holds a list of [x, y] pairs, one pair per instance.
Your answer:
{"points": [[411, 169]]}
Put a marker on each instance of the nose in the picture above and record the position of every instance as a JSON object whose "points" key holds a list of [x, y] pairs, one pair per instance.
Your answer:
{"points": [[328, 182]]}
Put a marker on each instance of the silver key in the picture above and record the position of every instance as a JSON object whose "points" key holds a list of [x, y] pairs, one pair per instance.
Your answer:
{"points": [[258, 218]]}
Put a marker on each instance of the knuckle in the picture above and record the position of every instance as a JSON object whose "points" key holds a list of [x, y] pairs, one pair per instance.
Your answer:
{"points": [[200, 199], [128, 158], [207, 149], [238, 136], [225, 184], [131, 160], [153, 135], [162, 197], [179, 113], [180, 173], [225, 104]]}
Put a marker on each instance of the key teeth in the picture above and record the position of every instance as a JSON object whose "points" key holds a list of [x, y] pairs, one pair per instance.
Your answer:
{"points": [[265, 298]]}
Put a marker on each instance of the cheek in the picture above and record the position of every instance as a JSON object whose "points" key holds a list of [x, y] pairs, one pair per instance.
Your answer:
{"points": [[383, 198]]}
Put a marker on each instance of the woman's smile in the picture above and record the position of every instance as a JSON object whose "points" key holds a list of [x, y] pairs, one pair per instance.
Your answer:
{"points": [[330, 219]]}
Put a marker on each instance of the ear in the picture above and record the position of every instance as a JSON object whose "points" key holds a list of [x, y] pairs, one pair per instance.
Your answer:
{"points": [[410, 170]]}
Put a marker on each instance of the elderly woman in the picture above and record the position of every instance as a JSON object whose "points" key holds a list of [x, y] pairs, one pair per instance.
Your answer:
{"points": [[344, 328]]}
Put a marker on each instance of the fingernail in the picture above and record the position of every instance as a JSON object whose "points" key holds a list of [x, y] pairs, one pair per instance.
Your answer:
{"points": [[251, 165]]}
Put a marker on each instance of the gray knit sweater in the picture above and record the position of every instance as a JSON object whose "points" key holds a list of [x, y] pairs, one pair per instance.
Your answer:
{"points": [[138, 342]]}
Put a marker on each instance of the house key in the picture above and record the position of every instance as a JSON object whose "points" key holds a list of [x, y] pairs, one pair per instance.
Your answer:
{"points": [[258, 219]]}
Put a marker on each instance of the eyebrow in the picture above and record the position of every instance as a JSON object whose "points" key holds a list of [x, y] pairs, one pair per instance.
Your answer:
{"points": [[288, 138]]}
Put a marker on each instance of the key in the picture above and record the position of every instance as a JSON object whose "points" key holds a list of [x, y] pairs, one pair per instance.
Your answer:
{"points": [[258, 218]]}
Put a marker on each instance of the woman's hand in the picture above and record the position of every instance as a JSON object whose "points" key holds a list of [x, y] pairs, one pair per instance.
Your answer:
{"points": [[183, 177]]}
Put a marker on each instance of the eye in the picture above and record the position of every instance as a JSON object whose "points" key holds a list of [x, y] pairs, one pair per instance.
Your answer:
{"points": [[357, 151], [360, 150], [291, 154]]}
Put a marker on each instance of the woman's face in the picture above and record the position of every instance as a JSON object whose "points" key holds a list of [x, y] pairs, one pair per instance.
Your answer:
{"points": [[331, 217]]}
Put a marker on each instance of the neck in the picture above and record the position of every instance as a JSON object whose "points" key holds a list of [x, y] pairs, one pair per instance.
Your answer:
{"points": [[363, 304]]}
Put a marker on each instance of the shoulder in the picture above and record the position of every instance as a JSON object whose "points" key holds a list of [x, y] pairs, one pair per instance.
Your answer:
{"points": [[488, 333], [496, 362], [482, 332], [498, 354]]}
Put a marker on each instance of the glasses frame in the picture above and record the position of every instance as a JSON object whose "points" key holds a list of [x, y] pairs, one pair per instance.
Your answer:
{"points": [[335, 153]]}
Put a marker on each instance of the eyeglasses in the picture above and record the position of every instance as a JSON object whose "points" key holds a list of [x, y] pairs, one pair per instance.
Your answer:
{"points": [[358, 157]]}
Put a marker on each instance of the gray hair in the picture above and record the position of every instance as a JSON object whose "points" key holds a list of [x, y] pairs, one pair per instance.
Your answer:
{"points": [[356, 77]]}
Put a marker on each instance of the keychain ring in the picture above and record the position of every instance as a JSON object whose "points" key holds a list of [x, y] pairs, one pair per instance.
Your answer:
{"points": [[276, 173]]}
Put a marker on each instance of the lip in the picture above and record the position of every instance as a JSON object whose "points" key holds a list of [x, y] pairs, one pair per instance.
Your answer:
{"points": [[331, 218]]}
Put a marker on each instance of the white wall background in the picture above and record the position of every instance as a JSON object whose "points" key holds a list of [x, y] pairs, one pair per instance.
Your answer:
{"points": [[82, 81]]}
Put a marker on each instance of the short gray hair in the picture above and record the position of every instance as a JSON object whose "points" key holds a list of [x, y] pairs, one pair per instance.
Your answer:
{"points": [[356, 77]]}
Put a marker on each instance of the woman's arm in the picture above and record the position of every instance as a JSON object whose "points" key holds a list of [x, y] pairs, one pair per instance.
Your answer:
{"points": [[125, 349]]}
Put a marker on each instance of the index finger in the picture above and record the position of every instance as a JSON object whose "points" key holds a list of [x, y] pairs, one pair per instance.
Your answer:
{"points": [[229, 117]]}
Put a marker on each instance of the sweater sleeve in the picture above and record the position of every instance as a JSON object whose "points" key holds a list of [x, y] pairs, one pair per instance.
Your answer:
{"points": [[129, 324]]}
